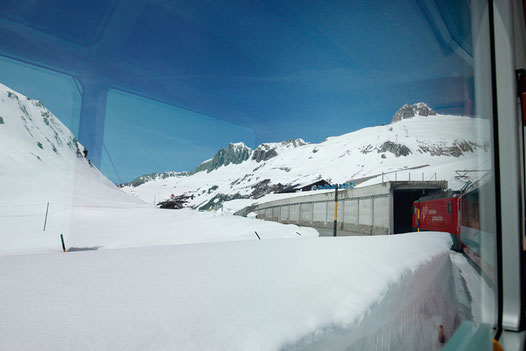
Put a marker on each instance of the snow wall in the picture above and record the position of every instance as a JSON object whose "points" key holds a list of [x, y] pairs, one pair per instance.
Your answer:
{"points": [[347, 293], [407, 318]]}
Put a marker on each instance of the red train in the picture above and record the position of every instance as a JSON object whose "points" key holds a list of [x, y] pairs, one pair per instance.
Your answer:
{"points": [[439, 212], [459, 214]]}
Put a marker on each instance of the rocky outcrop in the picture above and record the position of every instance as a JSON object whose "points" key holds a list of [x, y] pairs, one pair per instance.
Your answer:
{"points": [[264, 187], [457, 149], [388, 146], [266, 151], [410, 111], [218, 199], [175, 203], [394, 148], [293, 143], [233, 153]]}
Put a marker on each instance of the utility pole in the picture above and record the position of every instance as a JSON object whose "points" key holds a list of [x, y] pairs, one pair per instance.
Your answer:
{"points": [[335, 209]]}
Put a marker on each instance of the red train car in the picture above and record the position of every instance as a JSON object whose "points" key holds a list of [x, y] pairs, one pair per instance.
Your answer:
{"points": [[478, 243], [439, 212]]}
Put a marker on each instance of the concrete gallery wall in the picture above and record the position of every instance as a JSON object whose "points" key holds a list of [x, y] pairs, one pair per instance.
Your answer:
{"points": [[365, 210], [358, 211]]}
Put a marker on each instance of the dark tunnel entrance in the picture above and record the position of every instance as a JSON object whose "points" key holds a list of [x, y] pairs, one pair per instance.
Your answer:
{"points": [[402, 207]]}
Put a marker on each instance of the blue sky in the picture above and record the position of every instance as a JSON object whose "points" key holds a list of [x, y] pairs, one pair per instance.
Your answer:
{"points": [[259, 71]]}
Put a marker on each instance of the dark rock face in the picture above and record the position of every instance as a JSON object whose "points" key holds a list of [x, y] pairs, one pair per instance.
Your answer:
{"points": [[233, 153], [459, 148], [176, 203], [366, 149], [263, 153], [263, 188], [394, 148], [293, 143], [410, 111], [217, 200]]}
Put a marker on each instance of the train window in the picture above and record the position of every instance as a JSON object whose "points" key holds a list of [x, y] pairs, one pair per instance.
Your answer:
{"points": [[58, 91], [188, 135], [186, 163]]}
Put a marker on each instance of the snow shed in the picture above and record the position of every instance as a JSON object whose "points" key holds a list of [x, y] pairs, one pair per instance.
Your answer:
{"points": [[304, 187], [383, 208]]}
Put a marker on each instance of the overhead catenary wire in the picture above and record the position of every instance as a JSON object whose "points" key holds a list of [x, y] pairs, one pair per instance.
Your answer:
{"points": [[112, 164]]}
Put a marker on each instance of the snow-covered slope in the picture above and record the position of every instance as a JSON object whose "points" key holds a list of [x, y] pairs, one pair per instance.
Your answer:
{"points": [[267, 294], [39, 164], [418, 141], [41, 160]]}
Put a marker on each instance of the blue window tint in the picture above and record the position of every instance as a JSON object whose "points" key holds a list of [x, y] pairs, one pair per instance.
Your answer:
{"points": [[60, 93], [77, 21], [144, 136]]}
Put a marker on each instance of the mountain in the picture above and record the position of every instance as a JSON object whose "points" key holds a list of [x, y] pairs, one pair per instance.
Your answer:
{"points": [[43, 162], [49, 191], [233, 153], [410, 111], [418, 140]]}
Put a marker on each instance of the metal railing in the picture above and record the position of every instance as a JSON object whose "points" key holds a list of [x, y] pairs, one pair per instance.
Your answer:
{"points": [[408, 176]]}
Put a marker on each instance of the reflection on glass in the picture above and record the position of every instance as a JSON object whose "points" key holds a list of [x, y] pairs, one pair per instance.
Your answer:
{"points": [[245, 124]]}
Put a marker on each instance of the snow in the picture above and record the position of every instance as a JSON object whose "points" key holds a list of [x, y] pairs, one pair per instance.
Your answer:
{"points": [[84, 205], [349, 157], [151, 226], [245, 295], [240, 145], [120, 227], [482, 296], [189, 280]]}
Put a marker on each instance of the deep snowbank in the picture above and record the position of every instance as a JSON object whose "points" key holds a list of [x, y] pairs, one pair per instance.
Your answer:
{"points": [[120, 227], [406, 317], [245, 295], [41, 162]]}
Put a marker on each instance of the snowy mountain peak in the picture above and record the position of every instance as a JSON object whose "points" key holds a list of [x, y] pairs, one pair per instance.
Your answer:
{"points": [[234, 153], [266, 151], [410, 111], [239, 145], [363, 155], [293, 143]]}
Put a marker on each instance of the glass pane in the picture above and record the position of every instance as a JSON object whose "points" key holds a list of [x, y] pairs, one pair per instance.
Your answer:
{"points": [[144, 136], [341, 152], [34, 143]]}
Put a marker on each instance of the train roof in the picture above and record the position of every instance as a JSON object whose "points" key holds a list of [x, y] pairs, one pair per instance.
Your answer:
{"points": [[440, 195]]}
